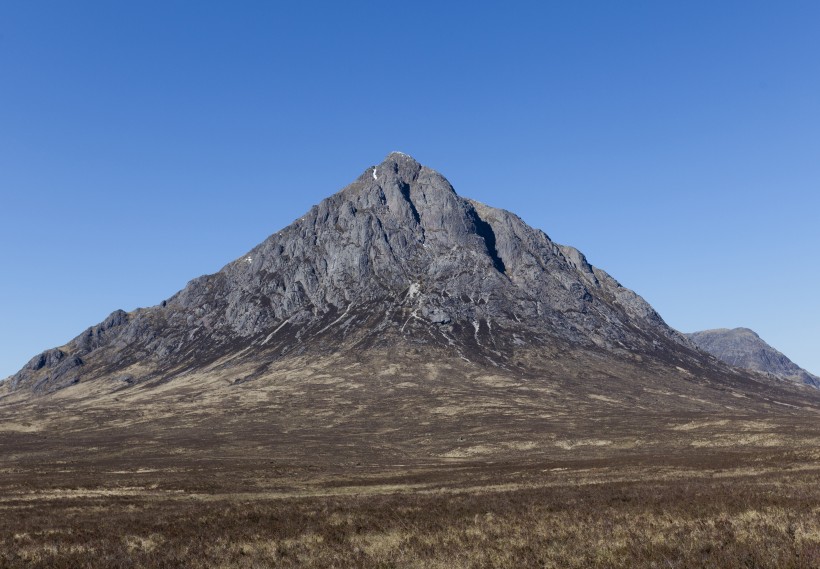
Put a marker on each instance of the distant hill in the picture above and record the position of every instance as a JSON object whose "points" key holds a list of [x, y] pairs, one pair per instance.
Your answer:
{"points": [[741, 347]]}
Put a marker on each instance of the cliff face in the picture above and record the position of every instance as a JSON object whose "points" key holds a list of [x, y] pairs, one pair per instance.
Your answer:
{"points": [[395, 258]]}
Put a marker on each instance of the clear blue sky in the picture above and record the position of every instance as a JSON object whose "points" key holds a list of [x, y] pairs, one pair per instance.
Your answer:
{"points": [[676, 143]]}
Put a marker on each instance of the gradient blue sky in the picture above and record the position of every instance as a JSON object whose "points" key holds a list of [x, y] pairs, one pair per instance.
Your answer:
{"points": [[145, 143]]}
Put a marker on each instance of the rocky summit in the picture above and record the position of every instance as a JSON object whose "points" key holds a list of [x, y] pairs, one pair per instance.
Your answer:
{"points": [[743, 348], [395, 258]]}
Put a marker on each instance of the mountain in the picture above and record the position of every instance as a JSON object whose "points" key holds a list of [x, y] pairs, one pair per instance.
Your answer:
{"points": [[395, 323], [395, 257], [394, 275], [743, 348]]}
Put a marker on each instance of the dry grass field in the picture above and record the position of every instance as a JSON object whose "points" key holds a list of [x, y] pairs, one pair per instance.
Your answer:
{"points": [[418, 467], [758, 510]]}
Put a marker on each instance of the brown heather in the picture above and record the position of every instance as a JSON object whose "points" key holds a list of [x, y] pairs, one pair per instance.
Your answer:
{"points": [[726, 522], [757, 508]]}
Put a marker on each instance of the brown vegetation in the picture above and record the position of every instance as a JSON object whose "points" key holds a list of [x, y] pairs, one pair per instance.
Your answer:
{"points": [[416, 468], [763, 512]]}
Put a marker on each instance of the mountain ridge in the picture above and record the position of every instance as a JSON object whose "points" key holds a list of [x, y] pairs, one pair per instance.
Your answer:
{"points": [[375, 237], [395, 262], [744, 348]]}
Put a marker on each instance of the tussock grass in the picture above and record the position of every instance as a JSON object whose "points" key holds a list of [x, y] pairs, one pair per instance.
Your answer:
{"points": [[766, 520]]}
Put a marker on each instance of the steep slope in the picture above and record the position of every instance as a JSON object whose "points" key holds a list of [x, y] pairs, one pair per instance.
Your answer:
{"points": [[395, 263], [743, 348], [397, 256]]}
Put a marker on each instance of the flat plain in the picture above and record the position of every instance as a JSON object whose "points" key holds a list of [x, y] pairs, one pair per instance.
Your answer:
{"points": [[353, 464]]}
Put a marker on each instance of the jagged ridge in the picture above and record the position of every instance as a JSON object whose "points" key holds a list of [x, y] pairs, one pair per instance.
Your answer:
{"points": [[395, 257]]}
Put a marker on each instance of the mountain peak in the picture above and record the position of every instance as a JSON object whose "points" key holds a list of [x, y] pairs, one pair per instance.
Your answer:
{"points": [[744, 348], [397, 159], [397, 155], [746, 331], [397, 165], [737, 332], [396, 258]]}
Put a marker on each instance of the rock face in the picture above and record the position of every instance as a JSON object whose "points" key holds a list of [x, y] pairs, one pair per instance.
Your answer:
{"points": [[395, 258], [743, 348]]}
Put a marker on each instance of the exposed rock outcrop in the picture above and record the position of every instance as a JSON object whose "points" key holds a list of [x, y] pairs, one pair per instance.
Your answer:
{"points": [[396, 257]]}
